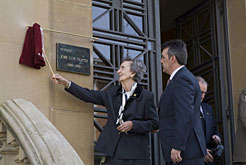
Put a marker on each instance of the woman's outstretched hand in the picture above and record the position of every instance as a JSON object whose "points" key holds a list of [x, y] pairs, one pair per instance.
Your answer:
{"points": [[58, 79]]}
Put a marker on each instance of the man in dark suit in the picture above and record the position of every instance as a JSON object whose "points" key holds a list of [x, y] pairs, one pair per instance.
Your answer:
{"points": [[181, 134], [209, 125]]}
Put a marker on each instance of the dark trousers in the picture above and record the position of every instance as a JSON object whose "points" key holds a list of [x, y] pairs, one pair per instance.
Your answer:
{"points": [[196, 161], [115, 161]]}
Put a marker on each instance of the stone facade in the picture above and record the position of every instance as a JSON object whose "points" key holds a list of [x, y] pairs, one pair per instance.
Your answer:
{"points": [[73, 118], [237, 35]]}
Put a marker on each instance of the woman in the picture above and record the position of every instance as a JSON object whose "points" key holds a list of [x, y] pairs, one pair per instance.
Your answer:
{"points": [[131, 115]]}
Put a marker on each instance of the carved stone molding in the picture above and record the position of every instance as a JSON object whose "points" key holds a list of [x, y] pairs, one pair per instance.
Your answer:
{"points": [[31, 137]]}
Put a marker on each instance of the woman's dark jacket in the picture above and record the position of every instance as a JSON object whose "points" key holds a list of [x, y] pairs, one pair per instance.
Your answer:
{"points": [[139, 109]]}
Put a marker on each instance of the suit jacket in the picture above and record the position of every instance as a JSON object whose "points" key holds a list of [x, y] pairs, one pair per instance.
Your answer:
{"points": [[211, 125], [240, 145], [139, 109], [179, 113]]}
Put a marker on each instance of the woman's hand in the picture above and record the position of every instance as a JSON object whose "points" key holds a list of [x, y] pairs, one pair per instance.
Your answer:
{"points": [[58, 79], [125, 127]]}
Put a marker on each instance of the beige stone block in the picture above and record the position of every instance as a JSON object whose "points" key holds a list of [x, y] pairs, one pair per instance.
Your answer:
{"points": [[15, 15], [85, 3], [237, 36], [238, 68], [77, 127], [64, 100], [237, 22], [20, 81], [60, 98], [71, 17]]}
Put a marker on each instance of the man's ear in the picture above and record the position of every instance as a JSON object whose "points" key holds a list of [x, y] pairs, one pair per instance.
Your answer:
{"points": [[173, 58]]}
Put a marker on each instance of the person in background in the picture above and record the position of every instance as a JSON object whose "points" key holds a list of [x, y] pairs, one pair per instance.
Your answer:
{"points": [[131, 114], [209, 124], [181, 134]]}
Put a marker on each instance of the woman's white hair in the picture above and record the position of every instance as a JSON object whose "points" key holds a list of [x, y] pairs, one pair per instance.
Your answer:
{"points": [[137, 67]]}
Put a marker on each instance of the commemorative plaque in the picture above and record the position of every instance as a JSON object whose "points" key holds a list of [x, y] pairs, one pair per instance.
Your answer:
{"points": [[72, 58]]}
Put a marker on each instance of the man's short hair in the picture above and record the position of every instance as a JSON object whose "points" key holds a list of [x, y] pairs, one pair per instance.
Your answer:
{"points": [[176, 48], [201, 80]]}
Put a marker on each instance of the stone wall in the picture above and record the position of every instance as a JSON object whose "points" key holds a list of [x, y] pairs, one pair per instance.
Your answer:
{"points": [[237, 35], [73, 118]]}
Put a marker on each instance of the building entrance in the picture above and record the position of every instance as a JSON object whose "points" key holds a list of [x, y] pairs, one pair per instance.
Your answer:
{"points": [[125, 28], [200, 26], [137, 28]]}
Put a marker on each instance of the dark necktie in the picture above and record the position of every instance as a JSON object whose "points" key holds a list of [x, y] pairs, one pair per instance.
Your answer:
{"points": [[203, 123]]}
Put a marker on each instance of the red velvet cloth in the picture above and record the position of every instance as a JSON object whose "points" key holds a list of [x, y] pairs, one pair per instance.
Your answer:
{"points": [[32, 49]]}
